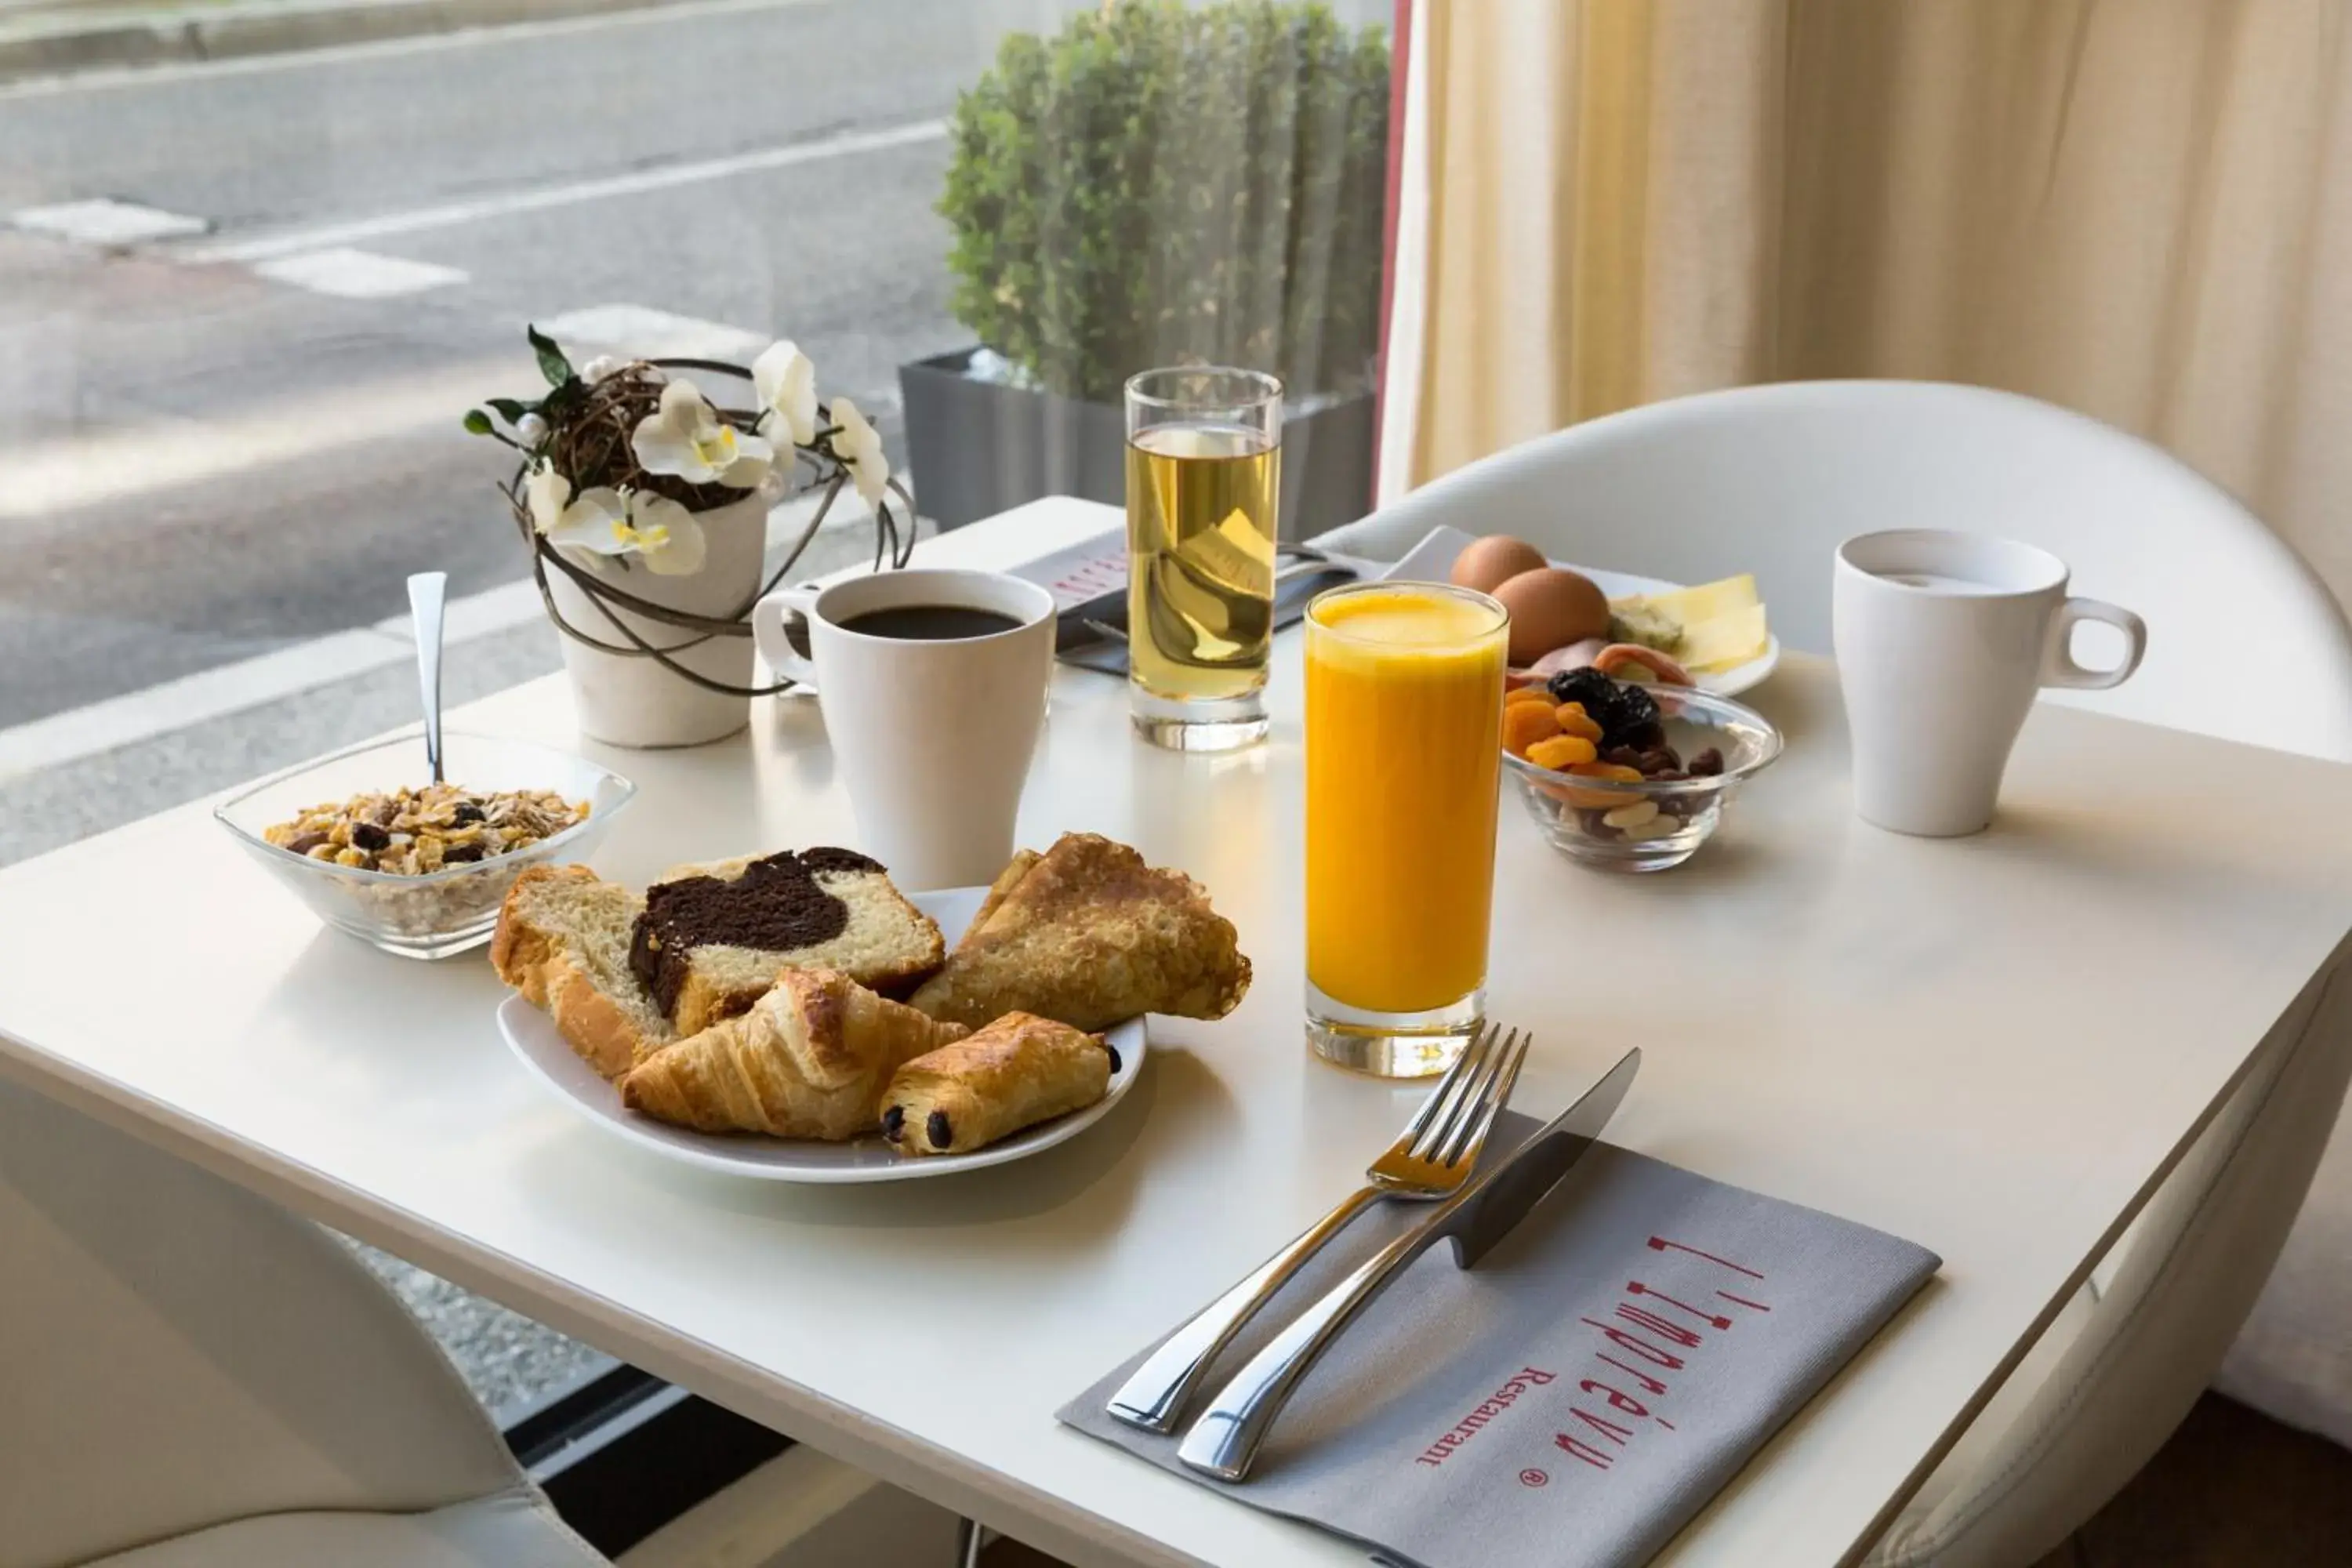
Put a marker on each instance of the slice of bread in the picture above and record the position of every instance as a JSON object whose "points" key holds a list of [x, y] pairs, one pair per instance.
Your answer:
{"points": [[712, 938], [564, 942]]}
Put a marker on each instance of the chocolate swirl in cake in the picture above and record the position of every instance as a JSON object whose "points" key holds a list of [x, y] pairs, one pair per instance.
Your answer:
{"points": [[775, 904]]}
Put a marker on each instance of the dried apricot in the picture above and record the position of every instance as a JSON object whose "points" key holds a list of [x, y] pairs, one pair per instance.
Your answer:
{"points": [[1525, 723], [1527, 694], [1560, 752], [1574, 720]]}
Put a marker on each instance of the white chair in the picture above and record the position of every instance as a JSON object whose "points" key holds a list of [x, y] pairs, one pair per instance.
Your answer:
{"points": [[2243, 643], [192, 1378]]}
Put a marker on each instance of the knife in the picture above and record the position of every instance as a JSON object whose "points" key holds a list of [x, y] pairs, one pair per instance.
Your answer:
{"points": [[1226, 1437]]}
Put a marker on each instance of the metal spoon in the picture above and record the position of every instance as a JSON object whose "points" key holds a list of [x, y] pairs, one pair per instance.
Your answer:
{"points": [[425, 592]]}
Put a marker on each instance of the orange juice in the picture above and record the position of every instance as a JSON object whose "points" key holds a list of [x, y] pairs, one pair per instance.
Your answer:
{"points": [[1404, 697]]}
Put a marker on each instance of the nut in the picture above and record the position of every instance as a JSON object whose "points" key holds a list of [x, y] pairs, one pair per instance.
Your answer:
{"points": [[411, 832], [1634, 815]]}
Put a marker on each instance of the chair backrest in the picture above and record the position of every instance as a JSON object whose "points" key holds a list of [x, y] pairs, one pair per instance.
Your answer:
{"points": [[2244, 640], [174, 1353]]}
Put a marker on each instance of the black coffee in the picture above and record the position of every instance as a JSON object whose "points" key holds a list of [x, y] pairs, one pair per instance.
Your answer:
{"points": [[929, 623]]}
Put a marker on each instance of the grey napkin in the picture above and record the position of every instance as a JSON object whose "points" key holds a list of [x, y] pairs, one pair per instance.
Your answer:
{"points": [[1572, 1401]]}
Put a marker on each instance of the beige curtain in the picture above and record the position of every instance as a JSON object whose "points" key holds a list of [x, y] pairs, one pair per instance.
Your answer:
{"points": [[2138, 208]]}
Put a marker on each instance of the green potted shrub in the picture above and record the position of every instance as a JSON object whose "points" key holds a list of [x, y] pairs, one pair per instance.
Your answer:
{"points": [[1159, 185]]}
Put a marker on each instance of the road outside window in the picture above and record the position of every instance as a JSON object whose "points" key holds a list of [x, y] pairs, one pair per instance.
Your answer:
{"points": [[258, 259]]}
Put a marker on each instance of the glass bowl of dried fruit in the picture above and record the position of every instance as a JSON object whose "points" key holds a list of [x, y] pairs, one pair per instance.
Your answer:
{"points": [[1626, 776], [377, 849]]}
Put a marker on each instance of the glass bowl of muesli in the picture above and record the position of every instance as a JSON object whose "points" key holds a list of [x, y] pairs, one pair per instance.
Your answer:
{"points": [[378, 850]]}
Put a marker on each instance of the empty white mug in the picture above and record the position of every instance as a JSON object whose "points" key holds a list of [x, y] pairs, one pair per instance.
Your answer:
{"points": [[1942, 640], [934, 733]]}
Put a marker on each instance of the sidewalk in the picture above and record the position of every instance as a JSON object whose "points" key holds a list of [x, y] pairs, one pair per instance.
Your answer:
{"points": [[53, 38]]}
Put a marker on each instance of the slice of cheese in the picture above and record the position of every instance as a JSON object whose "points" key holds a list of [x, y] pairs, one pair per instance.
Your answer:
{"points": [[1709, 601], [1724, 640]]}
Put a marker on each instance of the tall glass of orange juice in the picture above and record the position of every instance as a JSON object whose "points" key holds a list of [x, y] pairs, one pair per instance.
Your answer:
{"points": [[1404, 704]]}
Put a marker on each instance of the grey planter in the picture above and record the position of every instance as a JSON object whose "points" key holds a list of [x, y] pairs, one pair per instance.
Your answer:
{"points": [[979, 448]]}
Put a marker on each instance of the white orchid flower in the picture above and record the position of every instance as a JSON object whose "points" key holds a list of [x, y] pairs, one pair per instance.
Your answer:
{"points": [[668, 535], [597, 521], [858, 444], [548, 493], [687, 438], [786, 380], [634, 523]]}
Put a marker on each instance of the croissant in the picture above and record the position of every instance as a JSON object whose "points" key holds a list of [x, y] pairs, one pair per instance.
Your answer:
{"points": [[809, 1060], [1090, 935], [1017, 1072]]}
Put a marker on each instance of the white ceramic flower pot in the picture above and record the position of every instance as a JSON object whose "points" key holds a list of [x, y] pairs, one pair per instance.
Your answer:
{"points": [[638, 701]]}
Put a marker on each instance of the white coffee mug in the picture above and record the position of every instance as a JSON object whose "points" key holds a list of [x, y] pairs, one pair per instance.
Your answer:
{"points": [[1942, 640], [934, 734]]}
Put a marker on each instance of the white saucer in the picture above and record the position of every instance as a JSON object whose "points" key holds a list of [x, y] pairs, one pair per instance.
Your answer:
{"points": [[531, 1036], [1433, 559]]}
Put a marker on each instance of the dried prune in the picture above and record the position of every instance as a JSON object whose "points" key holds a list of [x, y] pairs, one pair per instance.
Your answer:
{"points": [[1627, 714], [1707, 764], [1633, 714], [1588, 686]]}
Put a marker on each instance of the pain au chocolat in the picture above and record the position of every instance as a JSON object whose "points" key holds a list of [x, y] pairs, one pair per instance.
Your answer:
{"points": [[1017, 1072]]}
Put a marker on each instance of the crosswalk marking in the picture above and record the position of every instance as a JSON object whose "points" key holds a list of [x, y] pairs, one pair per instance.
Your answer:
{"points": [[103, 220], [640, 332], [349, 274]]}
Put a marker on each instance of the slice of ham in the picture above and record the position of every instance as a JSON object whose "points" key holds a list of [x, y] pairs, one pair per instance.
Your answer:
{"points": [[1575, 656], [1632, 661], [1617, 661]]}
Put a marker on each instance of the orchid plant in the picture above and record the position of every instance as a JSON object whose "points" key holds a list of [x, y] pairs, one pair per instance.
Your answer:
{"points": [[621, 460], [620, 456]]}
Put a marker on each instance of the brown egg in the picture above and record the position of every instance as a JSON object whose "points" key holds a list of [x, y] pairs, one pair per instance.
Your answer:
{"points": [[1487, 563], [1551, 607]]}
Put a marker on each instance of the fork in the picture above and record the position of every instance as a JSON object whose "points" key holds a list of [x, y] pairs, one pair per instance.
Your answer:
{"points": [[1430, 1160]]}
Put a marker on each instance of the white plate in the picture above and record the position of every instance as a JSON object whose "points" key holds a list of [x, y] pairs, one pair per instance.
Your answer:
{"points": [[531, 1036], [1433, 559]]}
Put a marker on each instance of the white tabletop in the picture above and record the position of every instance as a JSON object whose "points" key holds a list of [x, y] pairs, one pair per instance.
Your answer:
{"points": [[1992, 1046]]}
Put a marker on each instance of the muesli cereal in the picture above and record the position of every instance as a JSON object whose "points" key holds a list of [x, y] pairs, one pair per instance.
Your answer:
{"points": [[412, 832]]}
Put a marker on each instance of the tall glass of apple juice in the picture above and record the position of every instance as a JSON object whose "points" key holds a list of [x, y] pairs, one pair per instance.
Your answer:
{"points": [[1404, 716], [1204, 471]]}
